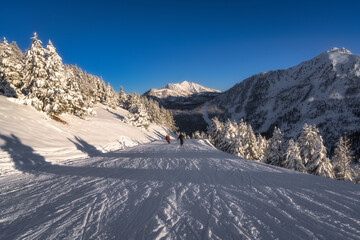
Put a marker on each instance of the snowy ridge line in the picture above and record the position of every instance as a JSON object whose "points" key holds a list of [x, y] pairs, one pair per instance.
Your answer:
{"points": [[324, 91]]}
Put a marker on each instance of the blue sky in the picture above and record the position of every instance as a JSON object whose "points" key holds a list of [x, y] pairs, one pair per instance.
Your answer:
{"points": [[147, 44]]}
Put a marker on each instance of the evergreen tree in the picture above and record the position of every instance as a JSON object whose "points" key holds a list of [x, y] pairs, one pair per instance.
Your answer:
{"points": [[262, 145], [110, 98], [55, 101], [356, 174], [11, 66], [228, 136], [238, 148], [251, 150], [342, 159], [275, 152], [35, 75], [313, 152], [293, 159], [122, 98], [138, 116], [215, 131]]}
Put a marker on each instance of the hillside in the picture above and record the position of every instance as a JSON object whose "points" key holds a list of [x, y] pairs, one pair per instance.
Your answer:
{"points": [[161, 191], [57, 142], [324, 91]]}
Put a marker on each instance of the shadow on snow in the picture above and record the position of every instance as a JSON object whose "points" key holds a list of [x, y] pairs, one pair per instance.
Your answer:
{"points": [[26, 160]]}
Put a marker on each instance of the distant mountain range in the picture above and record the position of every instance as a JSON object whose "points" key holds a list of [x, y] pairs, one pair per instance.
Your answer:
{"points": [[182, 96], [183, 89], [185, 100], [324, 91]]}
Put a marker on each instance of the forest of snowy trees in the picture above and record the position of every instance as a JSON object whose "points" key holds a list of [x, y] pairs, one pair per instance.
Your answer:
{"points": [[308, 154], [40, 79]]}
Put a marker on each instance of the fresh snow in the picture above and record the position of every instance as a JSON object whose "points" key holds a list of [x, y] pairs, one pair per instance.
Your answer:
{"points": [[163, 191], [57, 142]]}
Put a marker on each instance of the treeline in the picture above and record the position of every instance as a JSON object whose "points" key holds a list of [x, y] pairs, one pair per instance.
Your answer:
{"points": [[40, 79], [307, 154]]}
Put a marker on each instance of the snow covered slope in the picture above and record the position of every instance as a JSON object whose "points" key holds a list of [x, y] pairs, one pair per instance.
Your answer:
{"points": [[56, 142], [324, 91], [183, 89], [162, 191]]}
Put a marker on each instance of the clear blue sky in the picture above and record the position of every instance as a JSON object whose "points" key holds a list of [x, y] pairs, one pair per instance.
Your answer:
{"points": [[147, 44]]}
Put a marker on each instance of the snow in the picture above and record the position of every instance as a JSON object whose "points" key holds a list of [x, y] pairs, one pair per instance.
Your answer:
{"points": [[163, 191], [205, 113], [57, 142], [182, 89], [70, 185]]}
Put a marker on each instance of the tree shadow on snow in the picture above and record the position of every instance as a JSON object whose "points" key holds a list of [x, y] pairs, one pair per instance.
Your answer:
{"points": [[116, 114], [85, 147], [23, 156], [26, 160]]}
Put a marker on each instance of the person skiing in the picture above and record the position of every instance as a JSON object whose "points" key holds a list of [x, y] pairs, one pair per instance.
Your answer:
{"points": [[168, 138], [181, 137]]}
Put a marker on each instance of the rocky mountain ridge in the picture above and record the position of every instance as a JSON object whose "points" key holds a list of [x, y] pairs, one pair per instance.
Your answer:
{"points": [[324, 91]]}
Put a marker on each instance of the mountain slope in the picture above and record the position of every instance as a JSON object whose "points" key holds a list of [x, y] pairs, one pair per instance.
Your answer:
{"points": [[56, 141], [161, 191], [323, 91]]}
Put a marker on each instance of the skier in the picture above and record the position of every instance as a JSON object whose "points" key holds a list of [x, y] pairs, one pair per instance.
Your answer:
{"points": [[181, 137], [168, 138]]}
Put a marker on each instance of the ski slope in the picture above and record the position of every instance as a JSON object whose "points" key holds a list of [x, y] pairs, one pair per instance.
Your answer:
{"points": [[163, 191]]}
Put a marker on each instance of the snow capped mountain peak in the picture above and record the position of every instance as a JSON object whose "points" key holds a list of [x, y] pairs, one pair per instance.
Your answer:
{"points": [[182, 89], [324, 90], [342, 50]]}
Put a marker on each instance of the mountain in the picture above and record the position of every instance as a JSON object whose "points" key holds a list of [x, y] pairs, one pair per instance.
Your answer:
{"points": [[183, 99], [184, 89], [181, 96], [324, 91]]}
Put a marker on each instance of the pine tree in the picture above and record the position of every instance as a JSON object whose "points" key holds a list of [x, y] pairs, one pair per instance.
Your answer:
{"points": [[313, 152], [238, 148], [262, 145], [11, 66], [55, 101], [122, 98], [228, 136], [342, 159], [138, 117], [293, 159], [111, 97], [215, 131], [275, 152], [35, 75], [356, 174], [251, 150]]}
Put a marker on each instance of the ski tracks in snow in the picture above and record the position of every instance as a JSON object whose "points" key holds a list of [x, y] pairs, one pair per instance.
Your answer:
{"points": [[163, 191]]}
